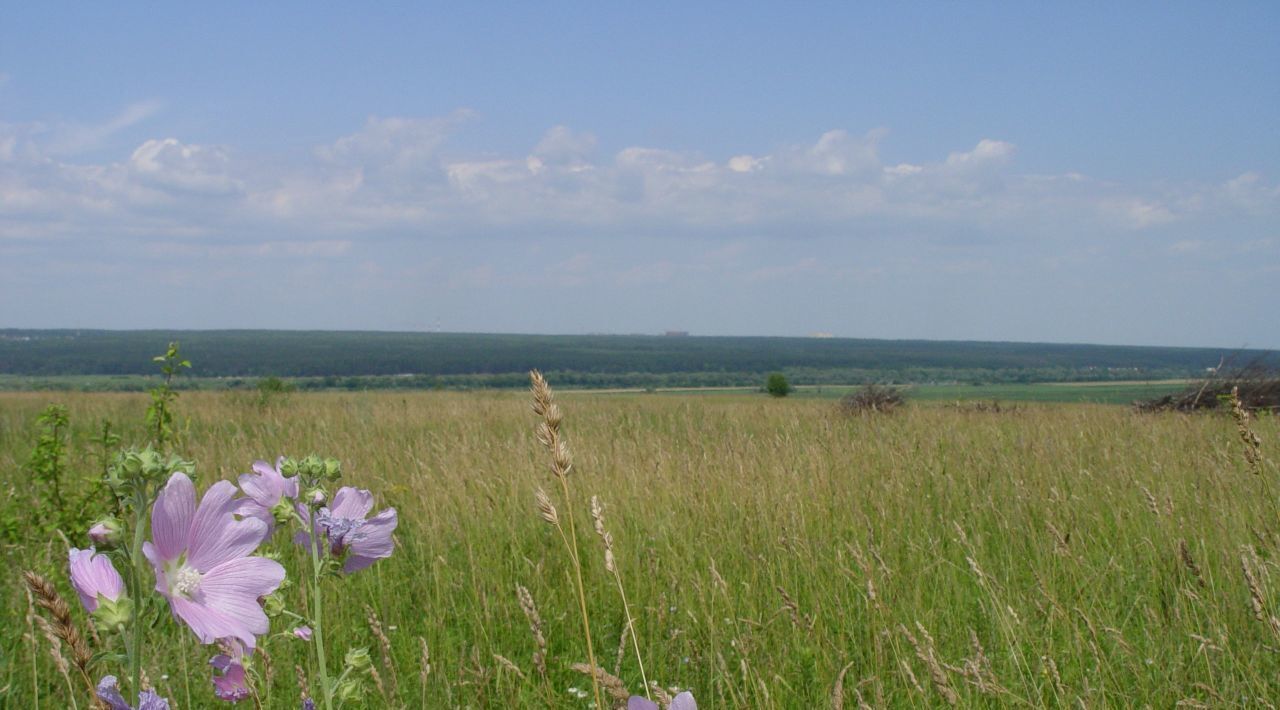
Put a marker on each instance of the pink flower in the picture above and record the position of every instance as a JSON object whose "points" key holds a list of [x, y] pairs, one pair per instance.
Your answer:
{"points": [[683, 701], [230, 683], [303, 632], [109, 693], [265, 488], [348, 532], [93, 575], [200, 556]]}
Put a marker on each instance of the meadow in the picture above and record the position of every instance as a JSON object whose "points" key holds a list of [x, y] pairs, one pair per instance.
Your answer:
{"points": [[775, 554]]}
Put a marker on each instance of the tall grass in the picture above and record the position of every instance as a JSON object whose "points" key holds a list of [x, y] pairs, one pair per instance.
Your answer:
{"points": [[775, 554]]}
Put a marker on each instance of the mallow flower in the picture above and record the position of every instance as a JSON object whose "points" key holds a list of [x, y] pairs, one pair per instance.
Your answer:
{"points": [[230, 683], [202, 564], [683, 701], [268, 493], [109, 693], [94, 577], [347, 532]]}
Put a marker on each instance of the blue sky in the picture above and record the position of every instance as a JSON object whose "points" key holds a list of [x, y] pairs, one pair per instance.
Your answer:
{"points": [[927, 170]]}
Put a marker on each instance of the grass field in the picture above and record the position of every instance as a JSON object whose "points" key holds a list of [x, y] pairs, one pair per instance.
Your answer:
{"points": [[772, 551]]}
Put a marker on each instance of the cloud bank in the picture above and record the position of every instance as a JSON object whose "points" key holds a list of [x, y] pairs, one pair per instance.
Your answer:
{"points": [[396, 205]]}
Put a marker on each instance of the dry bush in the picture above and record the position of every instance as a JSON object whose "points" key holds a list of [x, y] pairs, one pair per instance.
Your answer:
{"points": [[871, 398], [1257, 384]]}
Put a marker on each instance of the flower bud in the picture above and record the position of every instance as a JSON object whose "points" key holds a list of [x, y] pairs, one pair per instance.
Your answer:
{"points": [[111, 614], [332, 469], [357, 659], [313, 466], [107, 532], [350, 691], [317, 496], [283, 511], [273, 604], [132, 463], [288, 467]]}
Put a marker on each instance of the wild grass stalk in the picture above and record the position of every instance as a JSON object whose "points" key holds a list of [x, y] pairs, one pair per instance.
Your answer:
{"points": [[561, 464], [611, 566]]}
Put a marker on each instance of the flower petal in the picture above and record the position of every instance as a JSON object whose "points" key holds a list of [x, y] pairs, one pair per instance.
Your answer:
{"points": [[109, 693], [92, 575], [231, 686], [171, 516], [150, 700], [207, 624], [150, 552], [635, 702], [684, 701], [250, 508], [232, 589], [256, 488], [216, 536], [351, 503], [372, 541]]}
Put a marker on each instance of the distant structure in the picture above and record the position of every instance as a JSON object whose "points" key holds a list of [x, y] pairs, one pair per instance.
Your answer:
{"points": [[677, 333], [821, 334]]}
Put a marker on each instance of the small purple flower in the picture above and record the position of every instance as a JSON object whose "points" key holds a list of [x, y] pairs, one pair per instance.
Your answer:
{"points": [[200, 557], [109, 693], [303, 632], [265, 488], [344, 525], [230, 683], [93, 575], [308, 704], [683, 701]]}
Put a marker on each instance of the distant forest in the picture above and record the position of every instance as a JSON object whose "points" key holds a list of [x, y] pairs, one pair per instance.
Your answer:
{"points": [[357, 360]]}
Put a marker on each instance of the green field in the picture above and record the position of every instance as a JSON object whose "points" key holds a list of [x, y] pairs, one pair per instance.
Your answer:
{"points": [[1051, 556], [1098, 393]]}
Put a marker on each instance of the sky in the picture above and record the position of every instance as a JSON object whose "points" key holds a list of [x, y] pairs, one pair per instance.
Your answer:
{"points": [[1070, 172]]}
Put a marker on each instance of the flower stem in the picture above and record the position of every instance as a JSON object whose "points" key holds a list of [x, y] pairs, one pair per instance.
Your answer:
{"points": [[136, 560], [317, 613]]}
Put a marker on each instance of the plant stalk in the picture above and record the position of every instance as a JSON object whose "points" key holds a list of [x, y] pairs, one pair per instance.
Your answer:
{"points": [[317, 613], [582, 594], [136, 561]]}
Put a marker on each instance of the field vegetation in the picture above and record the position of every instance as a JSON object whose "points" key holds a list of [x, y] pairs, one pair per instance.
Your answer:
{"points": [[775, 553]]}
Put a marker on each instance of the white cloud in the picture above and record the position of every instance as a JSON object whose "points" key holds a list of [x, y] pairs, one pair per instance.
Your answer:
{"points": [[745, 164], [171, 164], [394, 144], [987, 152], [836, 153], [393, 177], [561, 146], [69, 139]]}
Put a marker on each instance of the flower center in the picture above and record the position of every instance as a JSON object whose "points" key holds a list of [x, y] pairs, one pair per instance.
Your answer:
{"points": [[185, 582], [340, 531]]}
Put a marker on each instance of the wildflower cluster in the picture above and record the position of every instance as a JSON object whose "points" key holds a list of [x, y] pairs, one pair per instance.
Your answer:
{"points": [[204, 562]]}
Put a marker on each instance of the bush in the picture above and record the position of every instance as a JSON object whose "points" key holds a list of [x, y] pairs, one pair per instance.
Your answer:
{"points": [[1257, 384], [871, 398], [777, 385]]}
